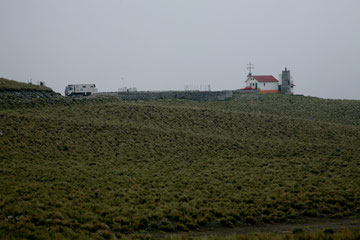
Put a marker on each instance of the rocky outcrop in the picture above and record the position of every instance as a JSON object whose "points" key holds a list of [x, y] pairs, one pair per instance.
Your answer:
{"points": [[27, 95], [13, 90]]}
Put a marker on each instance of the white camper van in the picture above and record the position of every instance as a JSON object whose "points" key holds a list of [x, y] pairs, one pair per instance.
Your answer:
{"points": [[80, 89]]}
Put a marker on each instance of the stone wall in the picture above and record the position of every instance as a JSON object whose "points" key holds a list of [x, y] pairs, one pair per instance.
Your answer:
{"points": [[150, 95], [246, 91]]}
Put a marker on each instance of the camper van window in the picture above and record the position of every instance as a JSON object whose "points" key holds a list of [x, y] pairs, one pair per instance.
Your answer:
{"points": [[84, 86]]}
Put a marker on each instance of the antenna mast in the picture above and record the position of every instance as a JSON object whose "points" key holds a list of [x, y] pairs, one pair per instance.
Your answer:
{"points": [[250, 66]]}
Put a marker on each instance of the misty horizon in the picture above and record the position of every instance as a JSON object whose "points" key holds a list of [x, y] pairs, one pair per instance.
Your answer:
{"points": [[165, 45]]}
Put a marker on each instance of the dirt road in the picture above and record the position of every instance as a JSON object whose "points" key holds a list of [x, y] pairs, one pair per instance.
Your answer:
{"points": [[306, 224]]}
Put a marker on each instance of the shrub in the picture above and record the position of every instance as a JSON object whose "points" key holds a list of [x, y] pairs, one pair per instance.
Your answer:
{"points": [[329, 231], [298, 231], [250, 220]]}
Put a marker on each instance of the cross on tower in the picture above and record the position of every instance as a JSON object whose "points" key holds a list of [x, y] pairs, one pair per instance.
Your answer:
{"points": [[250, 66]]}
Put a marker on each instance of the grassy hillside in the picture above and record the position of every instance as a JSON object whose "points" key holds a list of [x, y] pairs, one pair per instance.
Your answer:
{"points": [[104, 167], [11, 85]]}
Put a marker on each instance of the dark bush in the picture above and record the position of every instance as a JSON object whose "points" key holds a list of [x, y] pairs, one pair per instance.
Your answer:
{"points": [[298, 231]]}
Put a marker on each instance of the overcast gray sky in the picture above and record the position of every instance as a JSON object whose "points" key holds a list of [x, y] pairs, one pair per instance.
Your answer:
{"points": [[165, 44]]}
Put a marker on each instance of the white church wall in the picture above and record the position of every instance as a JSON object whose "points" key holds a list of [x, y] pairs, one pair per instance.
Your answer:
{"points": [[268, 86]]}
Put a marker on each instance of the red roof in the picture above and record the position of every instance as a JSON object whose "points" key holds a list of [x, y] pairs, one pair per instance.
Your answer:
{"points": [[265, 78]]}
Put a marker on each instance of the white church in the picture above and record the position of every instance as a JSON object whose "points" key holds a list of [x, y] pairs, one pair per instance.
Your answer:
{"points": [[269, 84]]}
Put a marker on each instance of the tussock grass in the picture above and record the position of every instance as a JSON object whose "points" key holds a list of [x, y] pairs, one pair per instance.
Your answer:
{"points": [[105, 167]]}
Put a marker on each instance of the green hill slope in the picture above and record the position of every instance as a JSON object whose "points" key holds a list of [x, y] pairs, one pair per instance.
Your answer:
{"points": [[11, 85], [102, 165]]}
